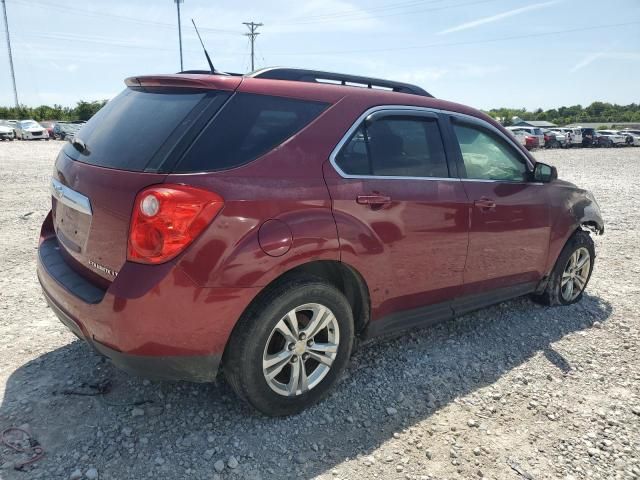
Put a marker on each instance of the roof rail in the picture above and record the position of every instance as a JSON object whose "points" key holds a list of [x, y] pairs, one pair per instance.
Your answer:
{"points": [[316, 76]]}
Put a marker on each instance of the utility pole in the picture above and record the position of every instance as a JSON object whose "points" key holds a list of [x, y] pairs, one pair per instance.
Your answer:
{"points": [[13, 73], [253, 33], [178, 2]]}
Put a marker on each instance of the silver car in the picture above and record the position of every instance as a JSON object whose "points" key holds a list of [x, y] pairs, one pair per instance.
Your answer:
{"points": [[6, 131], [31, 130]]}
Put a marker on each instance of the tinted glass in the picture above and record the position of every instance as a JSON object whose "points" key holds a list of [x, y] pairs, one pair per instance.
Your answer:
{"points": [[488, 157], [395, 147], [127, 131], [246, 128]]}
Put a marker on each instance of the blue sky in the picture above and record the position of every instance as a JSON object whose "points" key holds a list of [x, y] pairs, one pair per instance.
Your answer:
{"points": [[485, 53]]}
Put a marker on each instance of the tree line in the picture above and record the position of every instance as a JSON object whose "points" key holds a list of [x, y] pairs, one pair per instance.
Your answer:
{"points": [[597, 112], [82, 111]]}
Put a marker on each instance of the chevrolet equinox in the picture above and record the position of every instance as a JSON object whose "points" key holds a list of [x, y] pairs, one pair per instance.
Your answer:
{"points": [[260, 225]]}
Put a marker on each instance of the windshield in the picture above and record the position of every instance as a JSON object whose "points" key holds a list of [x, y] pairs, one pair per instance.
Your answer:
{"points": [[29, 124]]}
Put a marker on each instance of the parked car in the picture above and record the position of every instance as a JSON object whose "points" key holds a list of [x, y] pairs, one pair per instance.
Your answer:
{"points": [[6, 131], [574, 133], [632, 137], [614, 139], [528, 141], [31, 130], [533, 131], [48, 125], [264, 223], [64, 130], [602, 141], [560, 138], [550, 140], [589, 137], [13, 124]]}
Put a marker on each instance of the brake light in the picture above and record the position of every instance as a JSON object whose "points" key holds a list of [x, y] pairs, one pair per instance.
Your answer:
{"points": [[167, 218]]}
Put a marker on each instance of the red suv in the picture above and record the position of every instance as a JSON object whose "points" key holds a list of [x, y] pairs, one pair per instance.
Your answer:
{"points": [[262, 224]]}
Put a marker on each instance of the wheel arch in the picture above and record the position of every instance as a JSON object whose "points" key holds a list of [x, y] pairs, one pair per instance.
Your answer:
{"points": [[338, 274]]}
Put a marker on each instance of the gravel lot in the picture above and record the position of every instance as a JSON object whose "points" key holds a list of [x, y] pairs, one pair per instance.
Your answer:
{"points": [[513, 391]]}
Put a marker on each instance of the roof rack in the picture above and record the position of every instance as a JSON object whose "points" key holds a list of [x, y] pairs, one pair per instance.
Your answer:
{"points": [[316, 76]]}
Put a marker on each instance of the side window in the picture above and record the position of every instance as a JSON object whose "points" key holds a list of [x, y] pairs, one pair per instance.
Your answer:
{"points": [[247, 127], [488, 157], [395, 147]]}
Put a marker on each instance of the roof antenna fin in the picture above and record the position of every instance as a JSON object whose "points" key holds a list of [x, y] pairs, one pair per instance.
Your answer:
{"points": [[213, 70]]}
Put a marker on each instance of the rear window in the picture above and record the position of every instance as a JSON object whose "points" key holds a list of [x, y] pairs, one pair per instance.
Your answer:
{"points": [[131, 128], [247, 127]]}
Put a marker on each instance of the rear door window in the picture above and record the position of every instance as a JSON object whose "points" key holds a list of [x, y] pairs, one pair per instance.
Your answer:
{"points": [[395, 147], [247, 127]]}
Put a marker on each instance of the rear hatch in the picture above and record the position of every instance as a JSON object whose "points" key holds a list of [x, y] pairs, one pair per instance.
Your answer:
{"points": [[128, 145]]}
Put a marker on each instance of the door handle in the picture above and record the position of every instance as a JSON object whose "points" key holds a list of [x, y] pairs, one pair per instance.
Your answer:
{"points": [[373, 199], [485, 204]]}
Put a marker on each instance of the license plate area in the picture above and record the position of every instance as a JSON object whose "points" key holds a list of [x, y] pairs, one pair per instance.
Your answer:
{"points": [[72, 216]]}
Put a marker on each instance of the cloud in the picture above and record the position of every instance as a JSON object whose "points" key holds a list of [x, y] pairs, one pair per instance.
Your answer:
{"points": [[589, 59], [497, 17]]}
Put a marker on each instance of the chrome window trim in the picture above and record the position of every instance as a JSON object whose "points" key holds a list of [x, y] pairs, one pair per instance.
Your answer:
{"points": [[424, 112], [70, 198], [388, 110], [481, 123]]}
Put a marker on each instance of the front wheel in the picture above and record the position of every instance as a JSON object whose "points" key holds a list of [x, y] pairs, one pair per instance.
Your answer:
{"points": [[290, 347], [571, 273]]}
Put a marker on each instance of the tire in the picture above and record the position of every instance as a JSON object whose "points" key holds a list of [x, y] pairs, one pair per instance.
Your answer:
{"points": [[554, 293], [256, 343]]}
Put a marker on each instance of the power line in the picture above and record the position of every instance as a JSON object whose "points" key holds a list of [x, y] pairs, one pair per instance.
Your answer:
{"points": [[178, 2], [95, 14], [365, 14], [461, 43], [13, 73], [253, 33]]}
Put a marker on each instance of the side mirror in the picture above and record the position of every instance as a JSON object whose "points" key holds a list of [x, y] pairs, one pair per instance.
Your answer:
{"points": [[544, 173]]}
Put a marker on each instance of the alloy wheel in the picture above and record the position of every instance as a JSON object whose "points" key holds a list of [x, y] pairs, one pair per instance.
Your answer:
{"points": [[575, 275], [301, 349]]}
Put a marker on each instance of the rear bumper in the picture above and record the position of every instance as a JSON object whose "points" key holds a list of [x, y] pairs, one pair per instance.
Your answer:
{"points": [[195, 368], [151, 321]]}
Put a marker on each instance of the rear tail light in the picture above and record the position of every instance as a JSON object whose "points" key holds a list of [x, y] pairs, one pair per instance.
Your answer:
{"points": [[167, 218]]}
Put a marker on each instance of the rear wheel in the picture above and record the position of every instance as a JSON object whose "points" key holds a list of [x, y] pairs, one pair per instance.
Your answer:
{"points": [[571, 273], [290, 347]]}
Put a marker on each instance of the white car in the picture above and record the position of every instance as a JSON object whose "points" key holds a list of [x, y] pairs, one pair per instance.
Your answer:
{"points": [[520, 136], [576, 134], [632, 136], [6, 131], [533, 131], [616, 140], [31, 130]]}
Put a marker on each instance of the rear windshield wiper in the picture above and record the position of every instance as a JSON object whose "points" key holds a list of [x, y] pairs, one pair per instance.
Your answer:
{"points": [[79, 145]]}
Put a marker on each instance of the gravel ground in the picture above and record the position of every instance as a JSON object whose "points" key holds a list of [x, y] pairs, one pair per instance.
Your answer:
{"points": [[513, 391]]}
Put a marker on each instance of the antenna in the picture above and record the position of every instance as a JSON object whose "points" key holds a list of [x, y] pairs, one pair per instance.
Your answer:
{"points": [[213, 70]]}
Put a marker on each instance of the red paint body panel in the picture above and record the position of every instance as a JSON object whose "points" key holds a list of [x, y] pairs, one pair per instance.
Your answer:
{"points": [[112, 193], [209, 82], [508, 243], [153, 310], [411, 251]]}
